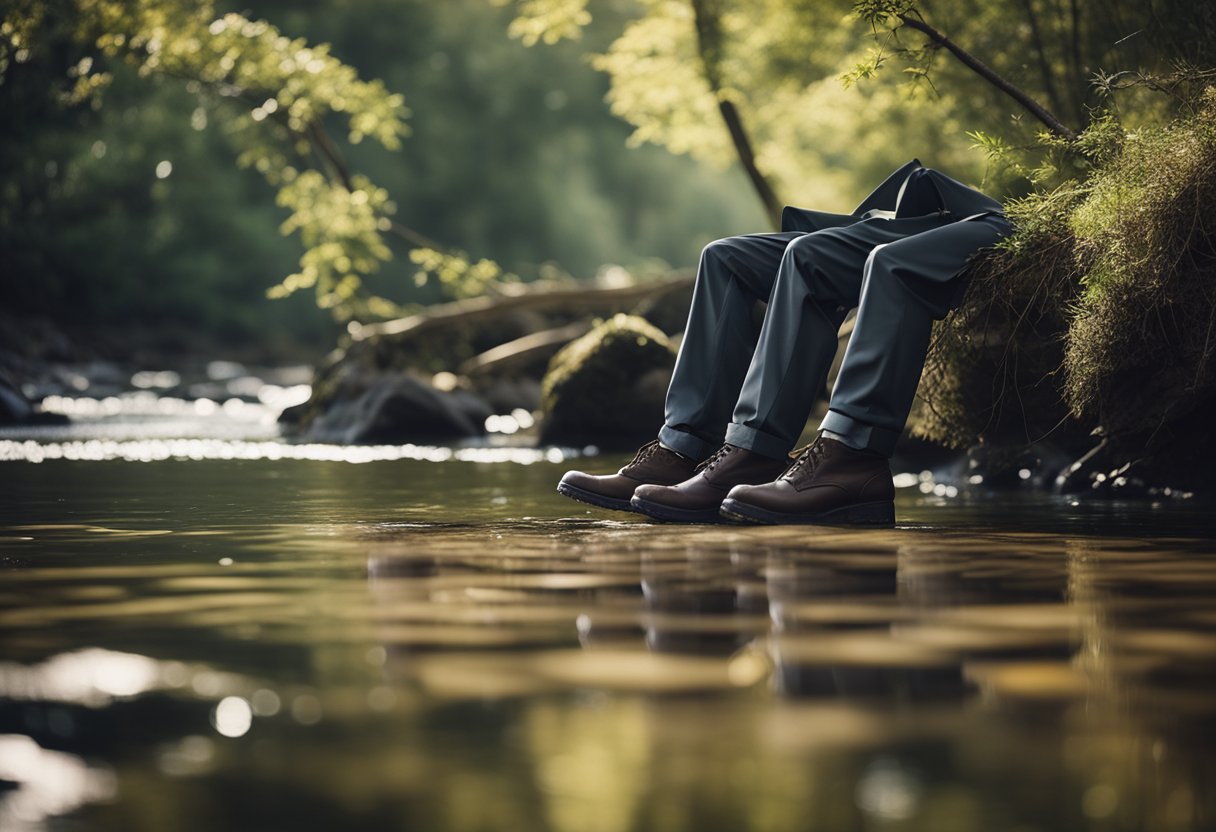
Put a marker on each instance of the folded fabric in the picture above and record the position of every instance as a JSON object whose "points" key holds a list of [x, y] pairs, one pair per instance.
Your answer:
{"points": [[912, 190]]}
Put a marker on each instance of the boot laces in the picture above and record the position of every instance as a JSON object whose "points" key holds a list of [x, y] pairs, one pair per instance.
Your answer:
{"points": [[645, 452], [713, 459], [807, 457]]}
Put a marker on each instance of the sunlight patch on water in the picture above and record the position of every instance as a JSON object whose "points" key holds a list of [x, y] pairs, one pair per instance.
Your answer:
{"points": [[153, 450], [94, 677], [232, 717], [48, 783], [145, 402], [91, 677]]}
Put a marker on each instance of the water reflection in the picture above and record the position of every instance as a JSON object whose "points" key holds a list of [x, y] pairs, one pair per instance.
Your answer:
{"points": [[937, 652], [304, 646]]}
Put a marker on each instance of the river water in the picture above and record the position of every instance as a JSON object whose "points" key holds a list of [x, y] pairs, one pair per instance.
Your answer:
{"points": [[244, 634]]}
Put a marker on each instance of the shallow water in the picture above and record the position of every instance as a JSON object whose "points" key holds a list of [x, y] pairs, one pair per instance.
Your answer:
{"points": [[407, 644]]}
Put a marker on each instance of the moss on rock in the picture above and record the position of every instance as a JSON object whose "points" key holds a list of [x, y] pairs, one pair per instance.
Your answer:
{"points": [[607, 387]]}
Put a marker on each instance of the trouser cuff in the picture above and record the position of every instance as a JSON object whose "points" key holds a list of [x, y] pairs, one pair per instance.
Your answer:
{"points": [[685, 444], [860, 435], [757, 441]]}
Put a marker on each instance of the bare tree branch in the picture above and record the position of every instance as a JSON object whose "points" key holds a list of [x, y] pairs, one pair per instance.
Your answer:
{"points": [[508, 357], [709, 47], [1040, 49], [991, 76], [743, 147], [1074, 50], [332, 156]]}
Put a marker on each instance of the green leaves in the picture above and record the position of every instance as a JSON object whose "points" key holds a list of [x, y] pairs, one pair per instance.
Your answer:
{"points": [[865, 69], [274, 96], [342, 233], [881, 12], [658, 85], [547, 20], [19, 32], [459, 277]]}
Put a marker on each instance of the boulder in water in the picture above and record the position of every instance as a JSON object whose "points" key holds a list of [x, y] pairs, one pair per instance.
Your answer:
{"points": [[14, 407], [607, 387], [400, 407]]}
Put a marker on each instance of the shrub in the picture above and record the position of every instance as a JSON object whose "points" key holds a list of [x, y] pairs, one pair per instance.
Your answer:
{"points": [[1100, 311]]}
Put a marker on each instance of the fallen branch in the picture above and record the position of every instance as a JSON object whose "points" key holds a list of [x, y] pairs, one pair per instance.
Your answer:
{"points": [[506, 357], [516, 297]]}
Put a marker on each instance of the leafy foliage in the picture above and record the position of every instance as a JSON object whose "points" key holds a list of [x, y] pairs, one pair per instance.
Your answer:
{"points": [[782, 64], [461, 277], [271, 92], [275, 92], [1140, 344], [514, 156], [548, 20], [779, 63], [881, 12], [341, 232], [992, 371]]}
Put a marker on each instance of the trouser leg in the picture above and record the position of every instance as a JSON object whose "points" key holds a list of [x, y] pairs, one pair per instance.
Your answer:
{"points": [[719, 339], [903, 290], [818, 281]]}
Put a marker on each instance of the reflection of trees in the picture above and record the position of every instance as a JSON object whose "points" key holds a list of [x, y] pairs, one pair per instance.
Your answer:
{"points": [[1142, 737], [964, 683]]}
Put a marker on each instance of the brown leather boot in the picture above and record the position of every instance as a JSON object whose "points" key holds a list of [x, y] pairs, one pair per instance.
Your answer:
{"points": [[652, 464], [698, 499], [829, 483]]}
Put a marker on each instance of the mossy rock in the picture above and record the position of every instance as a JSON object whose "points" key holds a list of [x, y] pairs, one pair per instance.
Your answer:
{"points": [[607, 387]]}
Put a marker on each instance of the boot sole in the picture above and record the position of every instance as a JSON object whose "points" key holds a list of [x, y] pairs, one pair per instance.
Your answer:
{"points": [[593, 499], [862, 514], [670, 514]]}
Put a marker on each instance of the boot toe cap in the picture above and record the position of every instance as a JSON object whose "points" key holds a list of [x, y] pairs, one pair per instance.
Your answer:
{"points": [[612, 491], [613, 486], [650, 491], [578, 479], [742, 492]]}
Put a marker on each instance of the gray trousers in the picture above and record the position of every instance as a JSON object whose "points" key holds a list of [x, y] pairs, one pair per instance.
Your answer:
{"points": [[754, 386]]}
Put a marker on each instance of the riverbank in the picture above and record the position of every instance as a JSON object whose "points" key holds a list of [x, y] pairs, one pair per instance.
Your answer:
{"points": [[82, 405]]}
